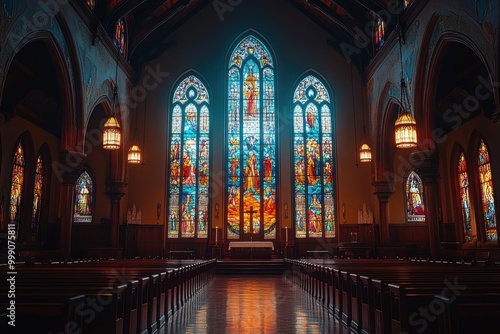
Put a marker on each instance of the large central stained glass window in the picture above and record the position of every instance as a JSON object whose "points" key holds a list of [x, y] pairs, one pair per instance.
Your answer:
{"points": [[189, 161], [314, 182], [251, 142]]}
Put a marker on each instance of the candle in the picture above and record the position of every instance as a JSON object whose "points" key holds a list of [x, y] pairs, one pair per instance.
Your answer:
{"points": [[216, 234], [286, 233]]}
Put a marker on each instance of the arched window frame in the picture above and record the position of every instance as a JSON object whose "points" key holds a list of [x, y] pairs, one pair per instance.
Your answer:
{"points": [[461, 180], [486, 214], [243, 183], [379, 33], [311, 91], [407, 3], [91, 4], [189, 150], [40, 193], [89, 202], [120, 36], [23, 211], [414, 192], [17, 193]]}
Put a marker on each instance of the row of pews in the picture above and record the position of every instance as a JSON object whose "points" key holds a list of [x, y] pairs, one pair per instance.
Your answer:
{"points": [[109, 296], [395, 296]]}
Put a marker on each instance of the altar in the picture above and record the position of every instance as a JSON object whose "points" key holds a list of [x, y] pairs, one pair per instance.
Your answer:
{"points": [[251, 249]]}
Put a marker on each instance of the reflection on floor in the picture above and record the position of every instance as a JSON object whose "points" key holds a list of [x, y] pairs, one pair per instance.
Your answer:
{"points": [[254, 305]]}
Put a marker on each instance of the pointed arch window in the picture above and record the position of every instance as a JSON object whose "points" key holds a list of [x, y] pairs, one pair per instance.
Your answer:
{"points": [[487, 194], [314, 165], [37, 198], [17, 183], [84, 199], [463, 186], [91, 4], [189, 160], [415, 210], [120, 37], [379, 33], [251, 145]]}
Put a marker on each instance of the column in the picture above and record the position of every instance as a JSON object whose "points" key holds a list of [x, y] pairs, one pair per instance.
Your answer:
{"points": [[425, 164], [67, 169], [115, 191], [383, 190]]}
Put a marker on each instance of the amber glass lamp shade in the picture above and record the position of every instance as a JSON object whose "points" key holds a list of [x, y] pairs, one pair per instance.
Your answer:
{"points": [[111, 137], [134, 155], [405, 130], [365, 153]]}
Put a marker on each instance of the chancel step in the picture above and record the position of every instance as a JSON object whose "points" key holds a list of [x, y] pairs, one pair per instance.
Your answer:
{"points": [[250, 267]]}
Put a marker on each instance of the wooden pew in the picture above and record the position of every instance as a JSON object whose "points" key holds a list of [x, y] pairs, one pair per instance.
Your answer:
{"points": [[141, 305], [363, 300]]}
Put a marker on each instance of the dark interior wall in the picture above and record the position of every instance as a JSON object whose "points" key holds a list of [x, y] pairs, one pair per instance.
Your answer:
{"points": [[203, 44]]}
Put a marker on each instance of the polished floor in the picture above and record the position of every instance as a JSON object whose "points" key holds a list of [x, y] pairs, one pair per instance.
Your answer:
{"points": [[254, 305]]}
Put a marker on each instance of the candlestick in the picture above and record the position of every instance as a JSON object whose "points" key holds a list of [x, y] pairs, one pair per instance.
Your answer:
{"points": [[286, 233], [216, 234]]}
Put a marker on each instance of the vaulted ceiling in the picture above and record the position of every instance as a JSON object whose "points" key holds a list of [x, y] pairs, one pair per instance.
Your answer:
{"points": [[150, 21]]}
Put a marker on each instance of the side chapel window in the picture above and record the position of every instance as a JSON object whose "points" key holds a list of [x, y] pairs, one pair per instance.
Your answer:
{"points": [[415, 210], [463, 186], [379, 34], [17, 183], [84, 199], [487, 194], [120, 37], [37, 198]]}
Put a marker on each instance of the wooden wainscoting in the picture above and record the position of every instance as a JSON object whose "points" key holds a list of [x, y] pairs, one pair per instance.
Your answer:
{"points": [[366, 233], [143, 240], [86, 236], [412, 237]]}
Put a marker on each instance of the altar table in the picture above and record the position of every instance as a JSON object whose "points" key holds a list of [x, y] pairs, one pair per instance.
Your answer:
{"points": [[251, 249]]}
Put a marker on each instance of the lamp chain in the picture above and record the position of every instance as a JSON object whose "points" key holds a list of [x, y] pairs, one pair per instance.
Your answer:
{"points": [[354, 119], [405, 99]]}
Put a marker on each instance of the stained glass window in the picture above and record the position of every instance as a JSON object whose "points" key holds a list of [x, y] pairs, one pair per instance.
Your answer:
{"points": [[91, 4], [37, 199], [189, 160], [463, 186], [313, 160], [407, 3], [16, 189], [84, 199], [415, 211], [251, 142], [487, 194], [379, 34], [119, 39]]}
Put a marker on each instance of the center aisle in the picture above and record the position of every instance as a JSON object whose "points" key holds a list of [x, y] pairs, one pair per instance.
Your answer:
{"points": [[253, 304]]}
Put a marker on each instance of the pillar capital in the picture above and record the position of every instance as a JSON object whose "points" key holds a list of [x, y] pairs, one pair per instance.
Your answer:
{"points": [[425, 164], [383, 189], [69, 166], [115, 190]]}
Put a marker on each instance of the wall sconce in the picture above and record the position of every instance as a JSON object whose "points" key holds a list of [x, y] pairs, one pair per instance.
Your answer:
{"points": [[158, 212], [216, 210], [343, 211], [285, 207]]}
